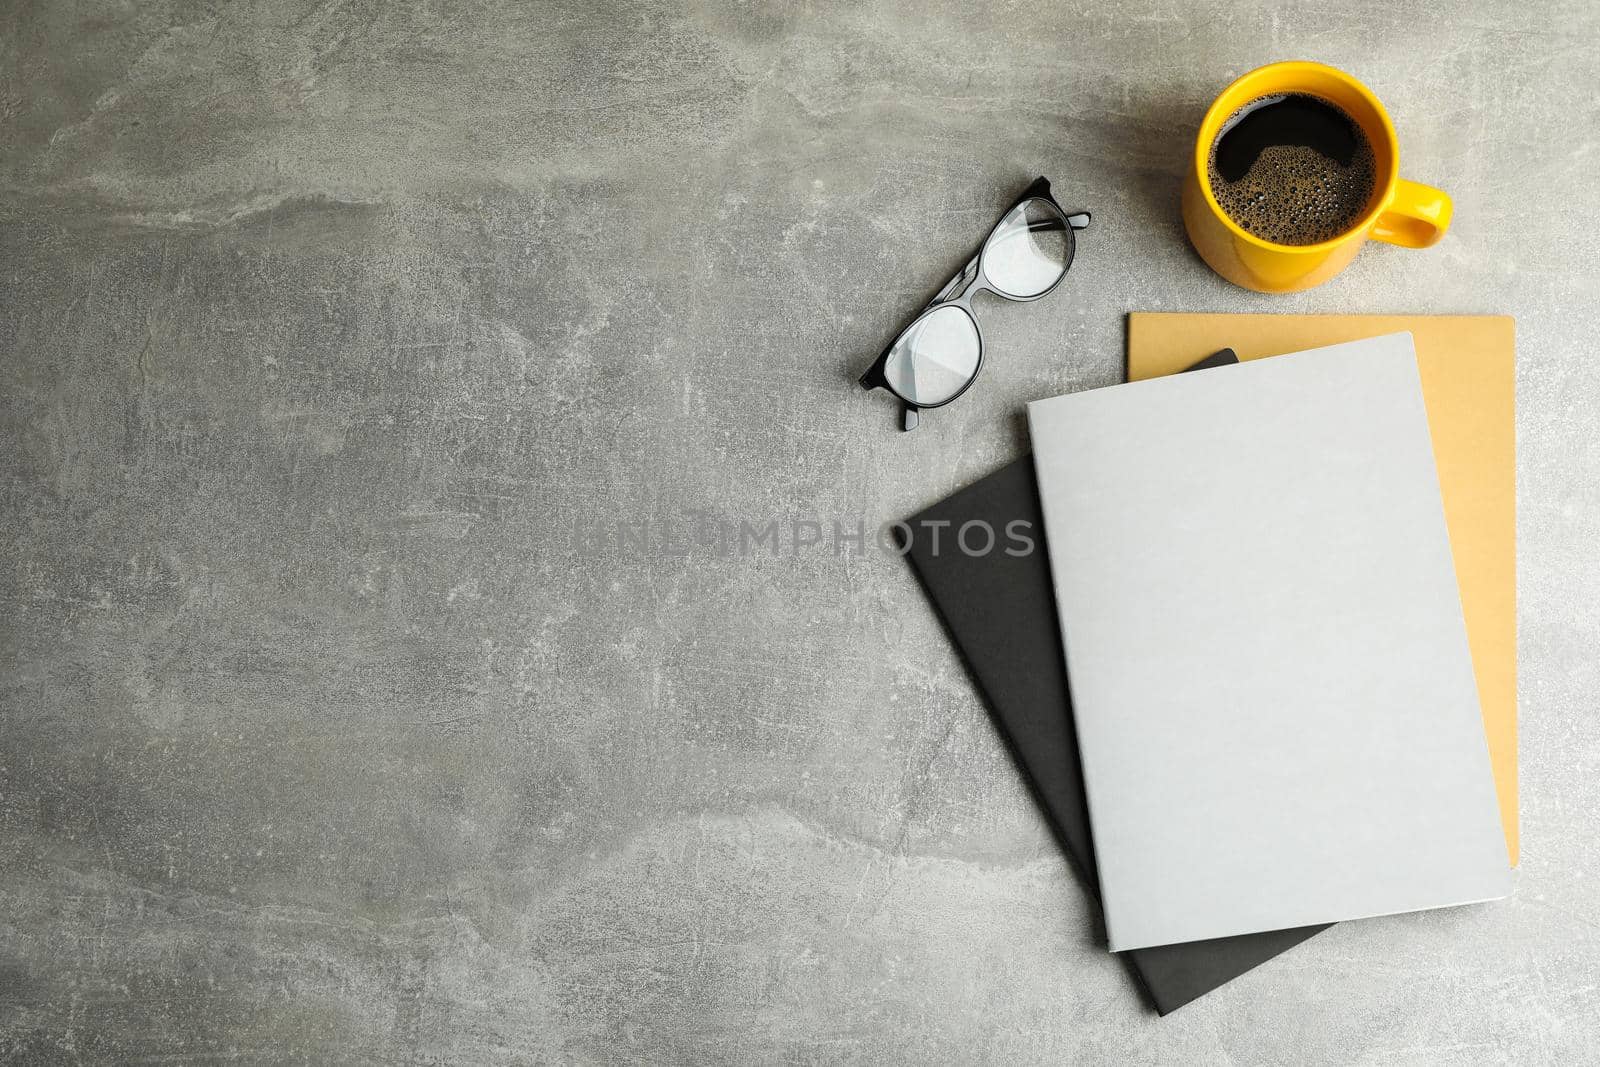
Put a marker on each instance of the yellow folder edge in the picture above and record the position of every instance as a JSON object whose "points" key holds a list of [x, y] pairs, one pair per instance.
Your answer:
{"points": [[1468, 369]]}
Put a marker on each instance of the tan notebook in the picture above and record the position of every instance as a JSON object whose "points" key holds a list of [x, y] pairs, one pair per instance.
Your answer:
{"points": [[1467, 365]]}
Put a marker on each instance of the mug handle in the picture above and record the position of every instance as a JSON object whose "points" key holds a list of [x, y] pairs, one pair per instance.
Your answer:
{"points": [[1416, 218]]}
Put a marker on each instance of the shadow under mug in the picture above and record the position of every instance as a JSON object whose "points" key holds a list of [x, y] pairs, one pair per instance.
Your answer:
{"points": [[1401, 212]]}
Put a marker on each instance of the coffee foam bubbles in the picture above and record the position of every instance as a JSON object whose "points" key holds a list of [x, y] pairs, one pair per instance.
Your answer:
{"points": [[1295, 195]]}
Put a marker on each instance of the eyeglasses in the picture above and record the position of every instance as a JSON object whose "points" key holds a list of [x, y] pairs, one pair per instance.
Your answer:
{"points": [[936, 358]]}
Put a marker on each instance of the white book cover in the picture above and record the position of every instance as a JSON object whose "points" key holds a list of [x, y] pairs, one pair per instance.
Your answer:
{"points": [[1266, 656]]}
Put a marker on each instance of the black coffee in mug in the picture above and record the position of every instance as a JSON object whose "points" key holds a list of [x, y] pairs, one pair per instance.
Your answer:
{"points": [[1292, 169]]}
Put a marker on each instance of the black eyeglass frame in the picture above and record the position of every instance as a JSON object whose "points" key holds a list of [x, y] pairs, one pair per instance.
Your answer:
{"points": [[959, 292]]}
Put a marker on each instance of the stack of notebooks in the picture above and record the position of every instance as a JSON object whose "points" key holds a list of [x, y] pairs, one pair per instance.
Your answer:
{"points": [[1264, 678]]}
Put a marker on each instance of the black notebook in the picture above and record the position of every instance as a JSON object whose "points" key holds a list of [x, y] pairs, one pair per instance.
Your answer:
{"points": [[1000, 610]]}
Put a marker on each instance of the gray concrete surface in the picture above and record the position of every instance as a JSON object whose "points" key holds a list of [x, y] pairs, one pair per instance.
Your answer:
{"points": [[325, 329]]}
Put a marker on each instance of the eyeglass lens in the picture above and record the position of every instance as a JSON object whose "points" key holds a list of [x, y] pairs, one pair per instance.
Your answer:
{"points": [[935, 358], [1029, 250]]}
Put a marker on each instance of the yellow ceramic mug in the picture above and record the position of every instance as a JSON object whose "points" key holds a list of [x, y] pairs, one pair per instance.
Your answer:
{"points": [[1401, 212]]}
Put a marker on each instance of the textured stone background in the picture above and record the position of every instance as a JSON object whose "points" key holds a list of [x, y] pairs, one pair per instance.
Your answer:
{"points": [[325, 325]]}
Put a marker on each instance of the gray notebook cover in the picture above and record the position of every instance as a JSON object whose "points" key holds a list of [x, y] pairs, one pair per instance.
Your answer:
{"points": [[1275, 706]]}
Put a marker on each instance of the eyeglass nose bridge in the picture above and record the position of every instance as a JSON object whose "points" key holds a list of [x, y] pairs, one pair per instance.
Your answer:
{"points": [[963, 287]]}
